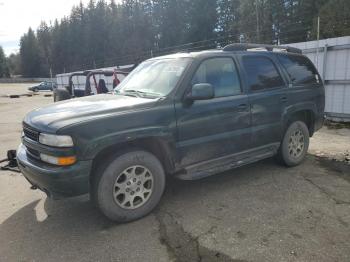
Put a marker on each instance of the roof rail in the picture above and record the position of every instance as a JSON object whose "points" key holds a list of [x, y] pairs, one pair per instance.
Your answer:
{"points": [[247, 46]]}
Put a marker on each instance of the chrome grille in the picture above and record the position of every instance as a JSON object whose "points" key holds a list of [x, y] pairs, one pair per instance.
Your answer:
{"points": [[33, 153], [30, 133]]}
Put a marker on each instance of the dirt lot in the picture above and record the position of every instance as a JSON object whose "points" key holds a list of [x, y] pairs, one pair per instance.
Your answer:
{"points": [[261, 212]]}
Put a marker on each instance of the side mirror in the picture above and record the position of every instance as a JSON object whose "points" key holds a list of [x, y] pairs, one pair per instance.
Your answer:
{"points": [[201, 91]]}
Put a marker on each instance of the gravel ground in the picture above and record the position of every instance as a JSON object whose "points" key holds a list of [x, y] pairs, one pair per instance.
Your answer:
{"points": [[260, 212]]}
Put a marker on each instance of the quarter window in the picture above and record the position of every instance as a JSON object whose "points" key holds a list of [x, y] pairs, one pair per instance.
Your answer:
{"points": [[221, 73], [300, 70], [261, 73]]}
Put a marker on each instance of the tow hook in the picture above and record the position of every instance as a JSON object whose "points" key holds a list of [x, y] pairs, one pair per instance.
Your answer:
{"points": [[11, 164]]}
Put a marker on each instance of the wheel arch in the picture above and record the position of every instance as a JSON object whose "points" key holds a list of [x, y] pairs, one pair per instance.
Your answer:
{"points": [[159, 147], [307, 115]]}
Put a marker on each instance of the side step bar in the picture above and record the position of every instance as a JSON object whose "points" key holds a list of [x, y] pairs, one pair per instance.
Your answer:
{"points": [[219, 165]]}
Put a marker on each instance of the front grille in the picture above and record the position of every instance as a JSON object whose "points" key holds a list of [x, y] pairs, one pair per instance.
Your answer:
{"points": [[34, 153], [30, 133]]}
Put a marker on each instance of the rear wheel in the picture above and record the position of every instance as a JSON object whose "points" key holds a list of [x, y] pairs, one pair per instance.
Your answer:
{"points": [[295, 144], [130, 186]]}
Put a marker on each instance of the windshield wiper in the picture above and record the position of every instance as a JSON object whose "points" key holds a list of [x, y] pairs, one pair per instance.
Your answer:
{"points": [[139, 93], [128, 93]]}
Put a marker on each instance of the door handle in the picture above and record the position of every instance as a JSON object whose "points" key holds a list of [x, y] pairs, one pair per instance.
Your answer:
{"points": [[242, 107], [284, 99]]}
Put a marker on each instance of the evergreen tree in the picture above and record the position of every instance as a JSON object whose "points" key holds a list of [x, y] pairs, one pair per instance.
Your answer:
{"points": [[4, 70], [14, 64], [124, 32], [202, 18], [228, 19], [170, 22], [334, 19], [256, 24], [44, 42], [30, 55]]}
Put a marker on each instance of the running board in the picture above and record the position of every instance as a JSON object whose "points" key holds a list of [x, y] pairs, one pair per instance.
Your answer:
{"points": [[222, 164]]}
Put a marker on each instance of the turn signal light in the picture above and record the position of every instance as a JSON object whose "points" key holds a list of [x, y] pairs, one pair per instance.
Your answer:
{"points": [[60, 161], [66, 161]]}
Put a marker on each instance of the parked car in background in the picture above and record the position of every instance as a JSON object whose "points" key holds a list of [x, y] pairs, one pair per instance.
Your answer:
{"points": [[43, 86], [186, 115]]}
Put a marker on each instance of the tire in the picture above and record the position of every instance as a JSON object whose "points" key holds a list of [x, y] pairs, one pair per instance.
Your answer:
{"points": [[295, 144], [35, 90], [139, 172], [60, 95]]}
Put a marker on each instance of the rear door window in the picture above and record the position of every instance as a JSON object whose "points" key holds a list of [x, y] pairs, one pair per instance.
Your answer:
{"points": [[300, 69], [261, 73]]}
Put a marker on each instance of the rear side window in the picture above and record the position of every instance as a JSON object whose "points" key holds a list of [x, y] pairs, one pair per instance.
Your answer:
{"points": [[300, 70], [221, 73], [261, 73]]}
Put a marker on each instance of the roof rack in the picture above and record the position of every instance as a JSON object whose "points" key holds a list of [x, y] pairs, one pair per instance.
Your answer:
{"points": [[247, 46]]}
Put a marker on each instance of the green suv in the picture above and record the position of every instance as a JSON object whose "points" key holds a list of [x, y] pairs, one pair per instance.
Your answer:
{"points": [[186, 115]]}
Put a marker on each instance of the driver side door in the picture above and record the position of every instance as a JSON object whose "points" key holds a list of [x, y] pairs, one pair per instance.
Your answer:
{"points": [[217, 127]]}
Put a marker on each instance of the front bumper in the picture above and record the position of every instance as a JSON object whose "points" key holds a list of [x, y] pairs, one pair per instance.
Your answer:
{"points": [[55, 181]]}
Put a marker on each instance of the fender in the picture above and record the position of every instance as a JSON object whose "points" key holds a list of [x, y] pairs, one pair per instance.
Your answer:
{"points": [[292, 109], [128, 136]]}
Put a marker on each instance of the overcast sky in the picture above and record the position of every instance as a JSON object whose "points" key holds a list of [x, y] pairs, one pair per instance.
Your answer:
{"points": [[16, 16]]}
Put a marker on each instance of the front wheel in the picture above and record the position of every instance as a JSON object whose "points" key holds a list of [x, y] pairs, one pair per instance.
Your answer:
{"points": [[130, 186], [295, 144]]}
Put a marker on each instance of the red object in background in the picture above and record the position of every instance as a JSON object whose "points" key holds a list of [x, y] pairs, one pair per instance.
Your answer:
{"points": [[116, 81]]}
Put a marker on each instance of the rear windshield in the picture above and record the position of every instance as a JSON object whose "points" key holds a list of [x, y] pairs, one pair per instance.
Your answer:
{"points": [[300, 69]]}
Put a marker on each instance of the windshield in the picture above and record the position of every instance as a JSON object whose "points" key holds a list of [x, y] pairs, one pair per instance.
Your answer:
{"points": [[154, 78]]}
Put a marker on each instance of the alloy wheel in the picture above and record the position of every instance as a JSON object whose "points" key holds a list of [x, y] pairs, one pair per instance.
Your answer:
{"points": [[296, 143], [133, 187]]}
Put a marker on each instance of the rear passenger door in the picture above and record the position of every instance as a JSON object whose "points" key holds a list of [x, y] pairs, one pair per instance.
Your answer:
{"points": [[267, 97]]}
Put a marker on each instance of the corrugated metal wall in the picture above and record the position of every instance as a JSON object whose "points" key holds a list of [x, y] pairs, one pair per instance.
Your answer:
{"points": [[332, 59]]}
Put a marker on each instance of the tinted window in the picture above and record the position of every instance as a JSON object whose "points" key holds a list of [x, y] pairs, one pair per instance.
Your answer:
{"points": [[300, 69], [261, 73], [221, 73]]}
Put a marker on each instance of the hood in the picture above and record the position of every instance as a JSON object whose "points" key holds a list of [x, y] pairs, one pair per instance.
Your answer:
{"points": [[57, 115]]}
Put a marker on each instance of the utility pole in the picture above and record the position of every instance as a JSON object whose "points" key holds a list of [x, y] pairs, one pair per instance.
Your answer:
{"points": [[51, 77], [257, 22], [318, 39]]}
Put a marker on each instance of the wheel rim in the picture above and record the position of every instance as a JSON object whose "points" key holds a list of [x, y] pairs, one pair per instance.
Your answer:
{"points": [[296, 144], [133, 187]]}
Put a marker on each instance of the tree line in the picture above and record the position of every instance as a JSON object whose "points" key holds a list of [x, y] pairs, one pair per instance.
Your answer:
{"points": [[108, 33]]}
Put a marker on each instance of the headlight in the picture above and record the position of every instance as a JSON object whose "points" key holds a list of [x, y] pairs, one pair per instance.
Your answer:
{"points": [[59, 161], [55, 140]]}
